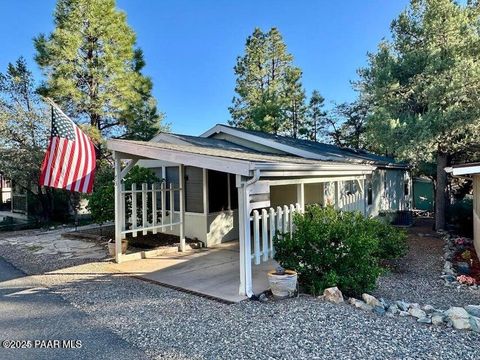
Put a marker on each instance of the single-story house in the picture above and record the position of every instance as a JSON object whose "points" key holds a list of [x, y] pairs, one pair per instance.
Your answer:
{"points": [[471, 170], [231, 184]]}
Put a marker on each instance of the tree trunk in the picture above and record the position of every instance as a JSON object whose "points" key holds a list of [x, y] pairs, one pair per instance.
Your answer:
{"points": [[441, 191]]}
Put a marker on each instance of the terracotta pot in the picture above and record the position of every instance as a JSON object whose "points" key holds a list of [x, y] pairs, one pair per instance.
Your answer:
{"points": [[283, 286], [111, 247]]}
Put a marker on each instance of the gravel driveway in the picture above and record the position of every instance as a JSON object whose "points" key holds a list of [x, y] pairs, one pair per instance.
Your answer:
{"points": [[169, 324], [416, 278]]}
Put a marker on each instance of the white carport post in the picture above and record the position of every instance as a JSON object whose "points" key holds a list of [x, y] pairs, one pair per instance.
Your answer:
{"points": [[246, 287], [181, 185], [119, 208]]}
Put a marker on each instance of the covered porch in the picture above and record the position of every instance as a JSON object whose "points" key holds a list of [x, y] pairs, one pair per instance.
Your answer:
{"points": [[269, 189]]}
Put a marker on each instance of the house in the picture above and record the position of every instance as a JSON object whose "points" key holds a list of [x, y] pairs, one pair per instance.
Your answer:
{"points": [[471, 170], [231, 184], [5, 193]]}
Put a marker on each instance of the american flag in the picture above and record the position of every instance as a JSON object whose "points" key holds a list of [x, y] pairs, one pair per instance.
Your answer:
{"points": [[70, 160]]}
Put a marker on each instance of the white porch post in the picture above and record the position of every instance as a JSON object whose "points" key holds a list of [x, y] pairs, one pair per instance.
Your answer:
{"points": [[301, 196], [119, 215], [181, 183], [337, 194], [246, 287]]}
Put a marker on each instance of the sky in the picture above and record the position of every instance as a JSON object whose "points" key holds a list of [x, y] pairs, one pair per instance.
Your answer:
{"points": [[191, 47]]}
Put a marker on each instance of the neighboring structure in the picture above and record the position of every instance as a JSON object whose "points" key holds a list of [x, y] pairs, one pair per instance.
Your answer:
{"points": [[423, 194], [230, 184], [471, 170]]}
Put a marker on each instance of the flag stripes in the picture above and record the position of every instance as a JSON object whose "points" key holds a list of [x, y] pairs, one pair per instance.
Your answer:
{"points": [[70, 160]]}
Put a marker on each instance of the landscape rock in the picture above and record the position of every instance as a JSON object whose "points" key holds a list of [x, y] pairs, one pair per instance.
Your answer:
{"points": [[379, 310], [333, 295], [459, 318], [402, 305], [437, 319], [371, 300], [403, 313], [393, 309], [473, 310], [475, 323], [428, 309], [424, 320], [417, 312], [360, 304]]}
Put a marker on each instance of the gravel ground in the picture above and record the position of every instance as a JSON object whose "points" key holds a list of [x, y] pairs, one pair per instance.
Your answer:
{"points": [[171, 324], [416, 278], [174, 325]]}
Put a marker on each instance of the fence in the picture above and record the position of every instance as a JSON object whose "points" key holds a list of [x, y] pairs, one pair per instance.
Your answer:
{"points": [[265, 225], [20, 203], [156, 203]]}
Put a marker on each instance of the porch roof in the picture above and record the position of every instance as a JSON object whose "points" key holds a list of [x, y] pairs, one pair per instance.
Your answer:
{"points": [[241, 162]]}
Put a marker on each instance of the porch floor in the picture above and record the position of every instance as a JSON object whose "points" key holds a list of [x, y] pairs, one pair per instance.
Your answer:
{"points": [[213, 272]]}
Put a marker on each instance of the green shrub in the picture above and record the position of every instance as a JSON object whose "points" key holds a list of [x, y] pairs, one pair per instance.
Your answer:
{"points": [[102, 201], [332, 248]]}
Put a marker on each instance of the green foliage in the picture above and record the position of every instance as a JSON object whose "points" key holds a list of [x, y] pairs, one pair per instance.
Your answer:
{"points": [[332, 248], [270, 96], [348, 124], [23, 125], [316, 121], [460, 217], [424, 84], [94, 71], [101, 203]]}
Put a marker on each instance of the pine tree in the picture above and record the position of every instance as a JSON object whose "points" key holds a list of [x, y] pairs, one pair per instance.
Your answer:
{"points": [[295, 109], [24, 130], [93, 70], [315, 124], [268, 89], [424, 85]]}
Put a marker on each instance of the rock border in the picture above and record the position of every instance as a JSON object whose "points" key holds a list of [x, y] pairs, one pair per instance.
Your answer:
{"points": [[460, 318], [449, 274]]}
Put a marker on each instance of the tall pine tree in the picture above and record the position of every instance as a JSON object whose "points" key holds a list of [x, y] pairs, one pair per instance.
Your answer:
{"points": [[425, 85], [269, 94], [94, 71], [315, 123]]}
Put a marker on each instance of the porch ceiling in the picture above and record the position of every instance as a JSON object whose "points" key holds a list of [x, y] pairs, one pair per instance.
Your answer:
{"points": [[231, 161]]}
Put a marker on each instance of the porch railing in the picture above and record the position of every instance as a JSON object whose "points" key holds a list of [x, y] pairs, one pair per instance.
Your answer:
{"points": [[148, 207], [352, 202], [265, 224]]}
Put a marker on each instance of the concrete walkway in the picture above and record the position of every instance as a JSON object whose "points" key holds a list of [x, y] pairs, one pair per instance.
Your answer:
{"points": [[213, 272]]}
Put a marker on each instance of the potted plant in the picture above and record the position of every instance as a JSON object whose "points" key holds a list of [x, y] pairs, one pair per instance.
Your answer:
{"points": [[111, 246], [283, 283]]}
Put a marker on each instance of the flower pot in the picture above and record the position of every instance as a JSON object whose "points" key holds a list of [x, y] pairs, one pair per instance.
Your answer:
{"points": [[111, 247], [283, 286]]}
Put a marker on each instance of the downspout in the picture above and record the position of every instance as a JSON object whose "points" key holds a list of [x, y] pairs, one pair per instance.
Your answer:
{"points": [[246, 185]]}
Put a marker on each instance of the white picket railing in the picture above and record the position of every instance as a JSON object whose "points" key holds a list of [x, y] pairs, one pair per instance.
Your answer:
{"points": [[265, 225], [151, 200], [352, 202]]}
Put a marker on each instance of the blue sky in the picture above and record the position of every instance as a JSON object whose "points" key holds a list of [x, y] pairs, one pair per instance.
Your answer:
{"points": [[191, 46]]}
